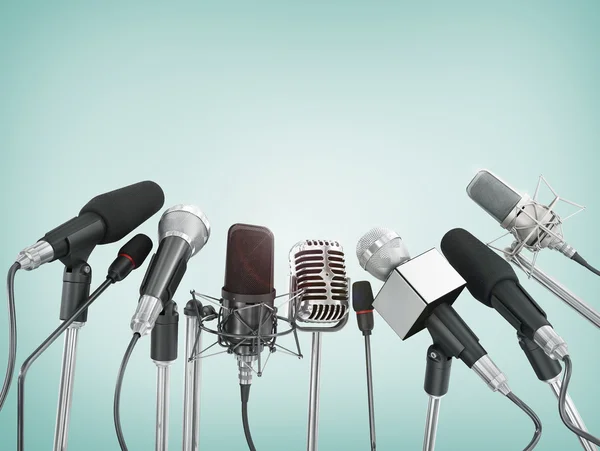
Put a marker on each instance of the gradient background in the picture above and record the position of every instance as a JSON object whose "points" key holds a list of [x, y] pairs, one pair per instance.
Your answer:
{"points": [[316, 119]]}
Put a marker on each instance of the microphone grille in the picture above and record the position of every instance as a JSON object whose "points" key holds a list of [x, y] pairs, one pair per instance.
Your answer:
{"points": [[381, 250], [319, 267], [493, 195], [187, 222]]}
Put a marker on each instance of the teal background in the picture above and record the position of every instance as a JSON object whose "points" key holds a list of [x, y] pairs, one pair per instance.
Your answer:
{"points": [[316, 119]]}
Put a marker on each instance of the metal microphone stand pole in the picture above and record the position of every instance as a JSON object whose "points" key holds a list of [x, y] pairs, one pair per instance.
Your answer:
{"points": [[437, 380], [163, 351], [561, 292], [370, 391], [548, 371], [77, 278], [193, 367], [313, 401]]}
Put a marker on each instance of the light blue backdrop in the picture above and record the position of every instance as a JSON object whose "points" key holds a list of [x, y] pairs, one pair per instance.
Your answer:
{"points": [[316, 119]]}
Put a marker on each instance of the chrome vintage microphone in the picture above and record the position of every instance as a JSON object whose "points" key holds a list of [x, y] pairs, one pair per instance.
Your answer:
{"points": [[318, 275], [535, 227]]}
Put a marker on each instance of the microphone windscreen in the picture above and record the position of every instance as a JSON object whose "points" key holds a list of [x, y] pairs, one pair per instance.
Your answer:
{"points": [[123, 210], [362, 296], [137, 249], [249, 264], [477, 264], [493, 195]]}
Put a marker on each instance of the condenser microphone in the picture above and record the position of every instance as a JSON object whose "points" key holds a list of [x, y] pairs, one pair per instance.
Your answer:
{"points": [[535, 225], [418, 294], [105, 219], [318, 273], [248, 294], [183, 231], [492, 281]]}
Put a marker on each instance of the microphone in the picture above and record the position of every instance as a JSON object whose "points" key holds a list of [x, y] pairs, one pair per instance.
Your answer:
{"points": [[418, 293], [318, 272], [183, 231], [493, 282], [105, 219], [362, 302]]}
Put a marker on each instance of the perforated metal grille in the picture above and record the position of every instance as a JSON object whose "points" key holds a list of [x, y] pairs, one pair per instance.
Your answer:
{"points": [[186, 221], [493, 195], [381, 250], [320, 271]]}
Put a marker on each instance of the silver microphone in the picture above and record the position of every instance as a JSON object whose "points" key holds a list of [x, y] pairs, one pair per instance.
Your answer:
{"points": [[183, 231], [318, 274], [534, 225]]}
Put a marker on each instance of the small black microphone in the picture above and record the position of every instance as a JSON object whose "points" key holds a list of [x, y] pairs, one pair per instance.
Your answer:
{"points": [[362, 302]]}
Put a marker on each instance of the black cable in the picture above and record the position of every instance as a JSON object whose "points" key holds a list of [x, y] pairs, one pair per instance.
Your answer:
{"points": [[579, 259], [40, 349], [538, 424], [562, 404], [117, 403], [12, 334], [245, 392]]}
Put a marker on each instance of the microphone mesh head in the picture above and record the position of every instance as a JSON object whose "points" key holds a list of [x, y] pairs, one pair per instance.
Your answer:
{"points": [[493, 195], [319, 267], [187, 222], [381, 250]]}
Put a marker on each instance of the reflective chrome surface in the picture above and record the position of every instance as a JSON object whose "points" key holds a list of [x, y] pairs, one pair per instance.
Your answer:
{"points": [[552, 344], [162, 405], [191, 397], [146, 314], [65, 390], [370, 392], [313, 400], [379, 251], [187, 222], [491, 374], [33, 257], [433, 413]]}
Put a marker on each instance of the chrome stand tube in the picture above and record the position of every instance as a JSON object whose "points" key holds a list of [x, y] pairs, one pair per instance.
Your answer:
{"points": [[191, 397], [559, 291], [572, 413], [313, 402], [370, 391], [433, 413], [65, 391], [162, 405]]}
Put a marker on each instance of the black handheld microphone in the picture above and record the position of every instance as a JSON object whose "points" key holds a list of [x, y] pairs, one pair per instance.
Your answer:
{"points": [[492, 281], [182, 231], [105, 219]]}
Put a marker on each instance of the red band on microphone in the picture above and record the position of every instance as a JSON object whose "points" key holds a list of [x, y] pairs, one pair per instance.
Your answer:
{"points": [[362, 312], [128, 258]]}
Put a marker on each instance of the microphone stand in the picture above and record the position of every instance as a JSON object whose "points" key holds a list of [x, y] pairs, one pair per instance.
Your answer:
{"points": [[548, 371], [77, 278], [163, 351], [193, 367], [370, 391], [552, 285], [314, 392], [437, 380]]}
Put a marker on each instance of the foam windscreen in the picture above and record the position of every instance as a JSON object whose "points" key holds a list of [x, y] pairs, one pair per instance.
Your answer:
{"points": [[124, 209], [137, 249], [249, 265], [477, 264], [362, 296]]}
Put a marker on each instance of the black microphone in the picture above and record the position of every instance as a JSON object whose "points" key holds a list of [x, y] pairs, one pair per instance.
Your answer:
{"points": [[104, 219], [492, 281], [183, 231], [362, 302]]}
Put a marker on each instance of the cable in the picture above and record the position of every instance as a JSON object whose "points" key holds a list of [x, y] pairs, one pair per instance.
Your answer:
{"points": [[562, 403], [538, 424], [245, 391], [12, 337], [39, 351], [579, 259], [117, 403]]}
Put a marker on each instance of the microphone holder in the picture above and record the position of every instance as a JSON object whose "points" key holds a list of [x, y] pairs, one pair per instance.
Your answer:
{"points": [[163, 351], [77, 278], [437, 380]]}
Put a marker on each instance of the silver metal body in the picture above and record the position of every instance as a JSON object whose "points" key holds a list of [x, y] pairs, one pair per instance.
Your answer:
{"points": [[559, 291], [408, 294], [191, 397], [146, 314], [313, 400], [65, 391], [379, 251], [572, 413], [552, 344], [33, 257], [162, 405], [370, 392], [433, 413], [491, 374]]}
